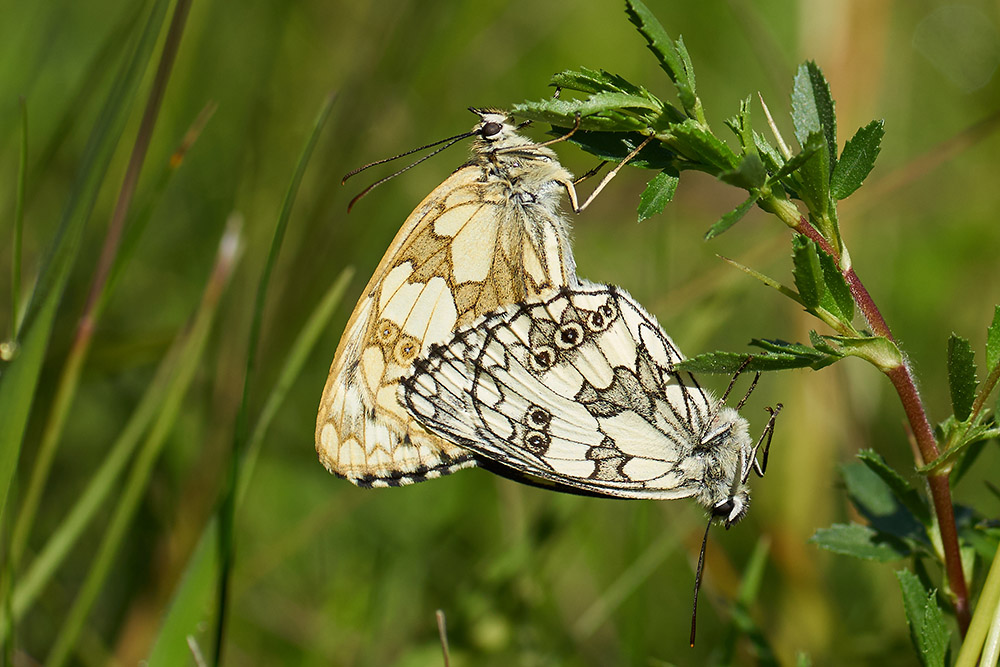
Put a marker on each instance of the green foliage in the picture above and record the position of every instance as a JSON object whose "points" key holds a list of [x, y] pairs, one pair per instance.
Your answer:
{"points": [[961, 376], [857, 160], [325, 573], [658, 193], [927, 625]]}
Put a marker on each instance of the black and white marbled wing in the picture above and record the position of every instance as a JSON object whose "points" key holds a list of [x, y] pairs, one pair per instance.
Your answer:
{"points": [[576, 386]]}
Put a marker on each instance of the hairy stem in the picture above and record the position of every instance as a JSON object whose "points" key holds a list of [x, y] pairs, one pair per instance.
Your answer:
{"points": [[906, 387]]}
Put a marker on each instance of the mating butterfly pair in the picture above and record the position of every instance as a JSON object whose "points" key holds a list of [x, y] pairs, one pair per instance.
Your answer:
{"points": [[475, 339]]}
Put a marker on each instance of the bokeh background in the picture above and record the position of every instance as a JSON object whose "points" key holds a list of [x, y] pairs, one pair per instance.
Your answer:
{"points": [[329, 574]]}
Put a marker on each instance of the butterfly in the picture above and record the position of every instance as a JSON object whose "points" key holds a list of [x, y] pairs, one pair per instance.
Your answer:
{"points": [[579, 387], [491, 234]]}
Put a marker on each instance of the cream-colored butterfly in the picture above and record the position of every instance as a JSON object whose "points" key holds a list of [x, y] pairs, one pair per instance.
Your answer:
{"points": [[491, 234]]}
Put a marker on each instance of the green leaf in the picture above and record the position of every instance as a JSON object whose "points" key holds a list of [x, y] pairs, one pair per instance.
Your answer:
{"points": [[820, 282], [889, 518], [928, 629], [807, 271], [858, 541], [857, 160], [837, 298], [812, 178], [813, 109], [598, 112], [729, 362], [695, 141], [615, 146], [749, 175], [658, 193], [586, 80], [673, 57], [900, 487], [961, 376], [731, 218], [773, 160], [993, 341], [877, 350], [20, 377]]}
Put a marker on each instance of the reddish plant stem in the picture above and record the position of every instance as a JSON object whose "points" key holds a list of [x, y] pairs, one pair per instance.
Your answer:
{"points": [[906, 387]]}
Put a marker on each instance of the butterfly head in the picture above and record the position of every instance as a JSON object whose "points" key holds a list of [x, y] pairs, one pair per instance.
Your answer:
{"points": [[728, 442]]}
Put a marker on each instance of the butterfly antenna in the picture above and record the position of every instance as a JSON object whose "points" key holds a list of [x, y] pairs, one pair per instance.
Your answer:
{"points": [[450, 142], [697, 582], [409, 152]]}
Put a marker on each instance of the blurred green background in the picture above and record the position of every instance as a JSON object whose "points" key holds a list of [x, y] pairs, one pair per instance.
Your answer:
{"points": [[326, 573]]}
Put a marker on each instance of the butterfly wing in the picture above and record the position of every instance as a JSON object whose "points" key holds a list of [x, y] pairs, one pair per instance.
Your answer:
{"points": [[475, 243], [577, 388]]}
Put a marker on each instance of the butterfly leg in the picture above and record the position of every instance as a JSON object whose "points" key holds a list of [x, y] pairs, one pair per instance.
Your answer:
{"points": [[768, 432], [577, 208]]}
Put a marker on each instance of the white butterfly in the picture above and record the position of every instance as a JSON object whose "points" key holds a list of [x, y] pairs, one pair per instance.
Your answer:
{"points": [[578, 387], [491, 234]]}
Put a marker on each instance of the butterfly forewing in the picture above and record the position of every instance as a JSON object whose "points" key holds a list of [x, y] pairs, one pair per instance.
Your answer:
{"points": [[492, 234], [578, 387]]}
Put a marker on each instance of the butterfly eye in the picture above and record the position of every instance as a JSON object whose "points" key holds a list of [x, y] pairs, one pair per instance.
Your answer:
{"points": [[569, 335], [542, 358], [491, 129], [536, 441], [539, 417]]}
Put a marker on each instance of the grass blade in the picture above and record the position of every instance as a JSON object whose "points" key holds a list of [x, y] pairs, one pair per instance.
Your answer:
{"points": [[240, 434], [69, 380], [135, 484], [20, 378], [191, 602]]}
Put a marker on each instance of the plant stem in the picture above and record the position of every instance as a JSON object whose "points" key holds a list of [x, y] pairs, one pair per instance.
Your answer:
{"points": [[906, 387]]}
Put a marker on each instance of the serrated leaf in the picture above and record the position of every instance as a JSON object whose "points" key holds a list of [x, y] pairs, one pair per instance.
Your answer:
{"points": [[731, 218], [778, 346], [813, 109], [837, 297], [928, 629], [858, 541], [696, 142], [600, 114], [615, 146], [900, 487], [821, 284], [993, 341], [672, 57], [729, 362], [806, 271], [857, 160], [658, 193], [749, 175], [773, 160], [961, 376], [586, 80], [875, 500], [812, 178]]}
